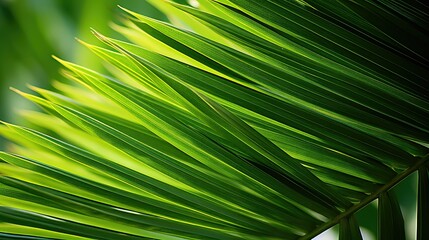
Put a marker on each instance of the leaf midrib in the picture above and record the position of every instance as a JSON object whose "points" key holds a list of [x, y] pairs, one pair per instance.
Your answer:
{"points": [[386, 187]]}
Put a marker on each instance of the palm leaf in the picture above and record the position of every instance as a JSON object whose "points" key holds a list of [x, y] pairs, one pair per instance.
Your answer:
{"points": [[242, 120]]}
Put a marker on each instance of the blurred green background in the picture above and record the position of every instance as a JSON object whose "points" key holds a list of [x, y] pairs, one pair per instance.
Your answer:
{"points": [[33, 30]]}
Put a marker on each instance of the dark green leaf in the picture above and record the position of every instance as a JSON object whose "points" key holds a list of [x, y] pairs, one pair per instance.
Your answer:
{"points": [[390, 220], [423, 204]]}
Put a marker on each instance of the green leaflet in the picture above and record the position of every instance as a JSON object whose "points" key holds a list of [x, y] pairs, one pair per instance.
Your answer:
{"points": [[308, 21], [151, 193], [7, 228], [187, 174], [195, 150], [218, 118], [390, 220], [422, 207], [349, 229], [244, 38], [36, 220], [125, 203], [192, 76], [62, 201], [259, 73]]}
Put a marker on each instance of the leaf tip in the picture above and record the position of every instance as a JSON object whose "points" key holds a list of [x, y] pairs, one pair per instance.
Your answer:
{"points": [[82, 42], [58, 59], [34, 88], [17, 91]]}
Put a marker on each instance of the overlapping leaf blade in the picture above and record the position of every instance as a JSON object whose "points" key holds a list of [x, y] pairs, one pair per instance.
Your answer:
{"points": [[349, 229], [423, 207], [390, 220]]}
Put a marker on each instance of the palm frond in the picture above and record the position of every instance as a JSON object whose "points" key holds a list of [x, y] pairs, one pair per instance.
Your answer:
{"points": [[242, 120]]}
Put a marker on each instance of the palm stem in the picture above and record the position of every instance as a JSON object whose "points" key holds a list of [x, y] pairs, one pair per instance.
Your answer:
{"points": [[367, 200]]}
